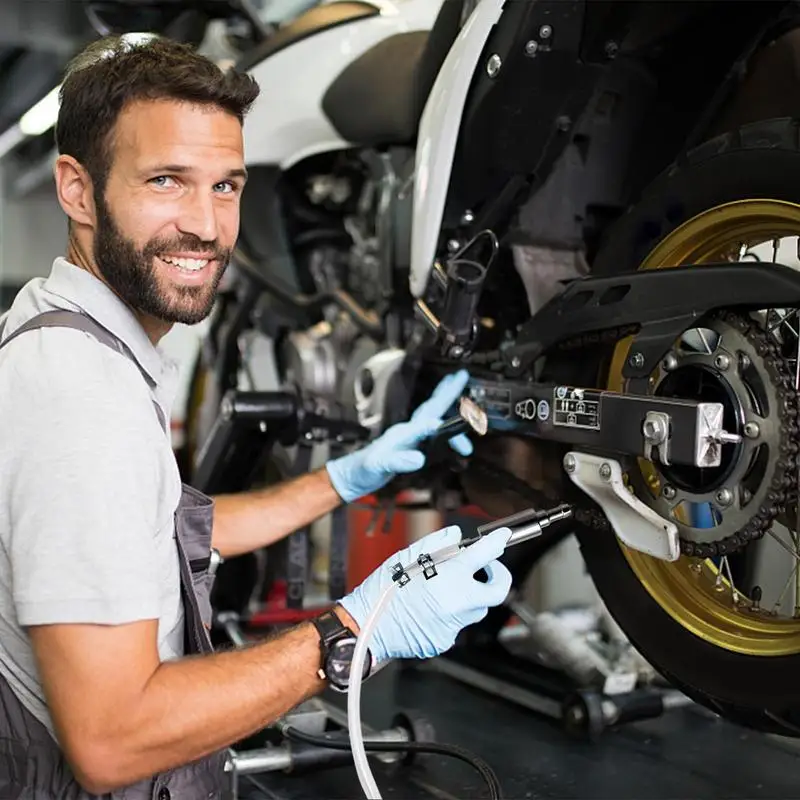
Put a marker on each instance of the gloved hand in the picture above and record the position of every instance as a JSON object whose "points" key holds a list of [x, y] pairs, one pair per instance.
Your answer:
{"points": [[395, 451], [425, 616]]}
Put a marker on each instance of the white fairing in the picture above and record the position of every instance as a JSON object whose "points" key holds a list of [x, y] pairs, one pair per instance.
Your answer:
{"points": [[438, 135], [287, 123]]}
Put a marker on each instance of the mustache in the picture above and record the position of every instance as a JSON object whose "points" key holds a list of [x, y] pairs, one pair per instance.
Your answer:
{"points": [[189, 243]]}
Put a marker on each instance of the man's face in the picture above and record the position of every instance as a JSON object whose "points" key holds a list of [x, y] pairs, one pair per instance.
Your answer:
{"points": [[169, 217]]}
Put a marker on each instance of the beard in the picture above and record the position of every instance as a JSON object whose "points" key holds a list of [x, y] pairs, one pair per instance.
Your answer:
{"points": [[132, 274]]}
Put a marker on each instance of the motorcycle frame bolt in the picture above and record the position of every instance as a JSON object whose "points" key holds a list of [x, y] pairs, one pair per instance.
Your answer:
{"points": [[669, 492], [670, 362], [722, 362], [636, 360], [724, 497], [605, 472], [545, 32], [531, 47], [751, 430], [493, 65], [570, 464]]}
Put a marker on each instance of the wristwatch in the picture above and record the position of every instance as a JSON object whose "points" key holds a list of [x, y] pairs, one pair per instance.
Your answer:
{"points": [[337, 643]]}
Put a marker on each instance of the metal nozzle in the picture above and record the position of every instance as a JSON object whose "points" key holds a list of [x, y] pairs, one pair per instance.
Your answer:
{"points": [[471, 418], [530, 530], [524, 525]]}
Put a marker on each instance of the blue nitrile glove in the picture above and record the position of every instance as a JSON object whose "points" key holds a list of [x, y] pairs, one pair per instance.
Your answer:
{"points": [[395, 451], [425, 616]]}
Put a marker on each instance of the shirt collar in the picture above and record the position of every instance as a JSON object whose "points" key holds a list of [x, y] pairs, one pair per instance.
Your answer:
{"points": [[92, 296]]}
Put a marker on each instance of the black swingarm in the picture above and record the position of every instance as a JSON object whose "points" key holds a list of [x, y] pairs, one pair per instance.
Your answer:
{"points": [[656, 306], [663, 429]]}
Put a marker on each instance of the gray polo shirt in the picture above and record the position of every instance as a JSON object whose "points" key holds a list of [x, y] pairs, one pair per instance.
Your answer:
{"points": [[88, 480]]}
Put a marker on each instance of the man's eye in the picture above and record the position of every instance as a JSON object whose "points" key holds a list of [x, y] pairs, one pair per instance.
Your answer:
{"points": [[226, 187], [164, 181]]}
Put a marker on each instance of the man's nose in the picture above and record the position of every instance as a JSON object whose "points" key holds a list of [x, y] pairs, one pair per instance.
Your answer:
{"points": [[199, 217]]}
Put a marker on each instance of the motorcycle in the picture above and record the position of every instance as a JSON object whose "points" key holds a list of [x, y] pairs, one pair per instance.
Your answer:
{"points": [[594, 207]]}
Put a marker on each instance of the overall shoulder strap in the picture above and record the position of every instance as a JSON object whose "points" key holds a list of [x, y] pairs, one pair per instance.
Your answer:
{"points": [[82, 322], [68, 319]]}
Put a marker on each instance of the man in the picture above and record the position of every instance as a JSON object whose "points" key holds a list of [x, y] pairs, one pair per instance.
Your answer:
{"points": [[105, 669]]}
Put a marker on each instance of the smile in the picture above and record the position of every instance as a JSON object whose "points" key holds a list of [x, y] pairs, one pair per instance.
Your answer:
{"points": [[188, 264]]}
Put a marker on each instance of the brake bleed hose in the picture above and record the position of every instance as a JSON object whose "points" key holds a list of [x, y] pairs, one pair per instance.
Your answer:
{"points": [[524, 525]]}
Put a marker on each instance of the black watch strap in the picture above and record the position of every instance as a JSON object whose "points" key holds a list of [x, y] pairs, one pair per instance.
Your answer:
{"points": [[330, 628]]}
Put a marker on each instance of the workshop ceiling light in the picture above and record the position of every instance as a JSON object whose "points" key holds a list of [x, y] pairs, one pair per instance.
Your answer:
{"points": [[42, 116]]}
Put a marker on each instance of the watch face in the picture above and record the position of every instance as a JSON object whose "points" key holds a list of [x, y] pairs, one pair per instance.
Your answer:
{"points": [[339, 661]]}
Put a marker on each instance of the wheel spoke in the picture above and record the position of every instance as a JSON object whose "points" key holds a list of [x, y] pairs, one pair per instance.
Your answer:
{"points": [[792, 574]]}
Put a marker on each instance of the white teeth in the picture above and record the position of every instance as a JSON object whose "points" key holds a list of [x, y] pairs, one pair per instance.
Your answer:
{"points": [[191, 264]]}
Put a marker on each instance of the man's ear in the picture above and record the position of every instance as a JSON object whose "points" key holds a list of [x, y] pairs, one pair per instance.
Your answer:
{"points": [[75, 190]]}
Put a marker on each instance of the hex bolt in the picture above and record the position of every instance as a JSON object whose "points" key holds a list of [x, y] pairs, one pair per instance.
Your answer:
{"points": [[468, 217], [570, 464], [654, 430], [744, 361], [669, 492], [545, 32], [515, 362], [751, 430], [724, 497], [605, 472], [670, 362], [531, 47], [493, 65], [722, 362], [636, 360]]}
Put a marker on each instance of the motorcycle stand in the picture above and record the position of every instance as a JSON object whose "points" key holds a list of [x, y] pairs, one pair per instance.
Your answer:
{"points": [[512, 668], [275, 749]]}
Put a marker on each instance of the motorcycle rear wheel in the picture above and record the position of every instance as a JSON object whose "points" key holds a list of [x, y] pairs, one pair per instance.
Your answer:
{"points": [[740, 187]]}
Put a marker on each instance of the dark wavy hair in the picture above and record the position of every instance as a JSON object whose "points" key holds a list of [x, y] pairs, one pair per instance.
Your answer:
{"points": [[114, 71]]}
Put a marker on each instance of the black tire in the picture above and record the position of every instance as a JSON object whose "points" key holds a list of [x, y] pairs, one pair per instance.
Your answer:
{"points": [[761, 160]]}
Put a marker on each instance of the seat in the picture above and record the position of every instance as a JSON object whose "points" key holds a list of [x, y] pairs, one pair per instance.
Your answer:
{"points": [[379, 98], [319, 18]]}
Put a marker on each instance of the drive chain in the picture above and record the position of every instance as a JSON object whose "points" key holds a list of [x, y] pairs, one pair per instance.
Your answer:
{"points": [[783, 479]]}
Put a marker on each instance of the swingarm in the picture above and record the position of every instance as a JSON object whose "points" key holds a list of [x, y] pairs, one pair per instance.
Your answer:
{"points": [[666, 430]]}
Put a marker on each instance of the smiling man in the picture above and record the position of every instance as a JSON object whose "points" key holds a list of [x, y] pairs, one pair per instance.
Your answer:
{"points": [[108, 682]]}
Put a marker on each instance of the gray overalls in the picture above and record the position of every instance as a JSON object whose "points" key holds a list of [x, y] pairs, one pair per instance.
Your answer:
{"points": [[32, 766]]}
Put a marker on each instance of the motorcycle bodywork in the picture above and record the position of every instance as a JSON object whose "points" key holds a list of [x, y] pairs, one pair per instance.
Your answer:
{"points": [[289, 124]]}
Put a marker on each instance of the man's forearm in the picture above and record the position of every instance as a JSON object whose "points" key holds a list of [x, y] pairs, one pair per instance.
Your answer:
{"points": [[196, 706], [247, 521]]}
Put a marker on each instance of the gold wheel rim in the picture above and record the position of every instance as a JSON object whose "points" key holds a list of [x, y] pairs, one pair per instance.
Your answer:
{"points": [[690, 590]]}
